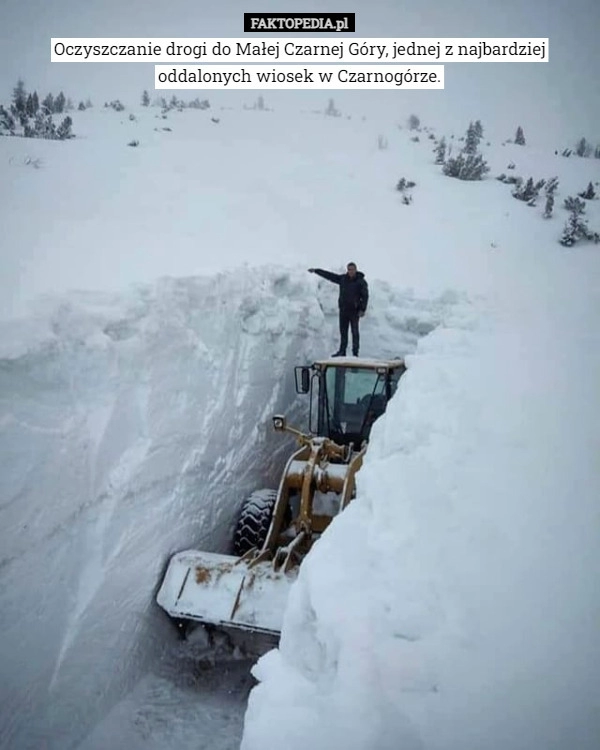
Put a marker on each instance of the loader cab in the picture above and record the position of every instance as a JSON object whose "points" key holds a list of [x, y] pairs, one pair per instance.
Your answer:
{"points": [[348, 396]]}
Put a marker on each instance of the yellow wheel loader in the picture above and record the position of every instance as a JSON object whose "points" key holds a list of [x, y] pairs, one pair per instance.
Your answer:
{"points": [[276, 528]]}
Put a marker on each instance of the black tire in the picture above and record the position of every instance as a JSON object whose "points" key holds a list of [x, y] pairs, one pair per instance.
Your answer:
{"points": [[254, 521]]}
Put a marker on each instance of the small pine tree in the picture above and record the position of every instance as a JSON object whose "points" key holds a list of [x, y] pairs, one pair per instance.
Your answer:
{"points": [[260, 103], [29, 106], [81, 107], [478, 128], [69, 105], [588, 193], [529, 191], [414, 123], [88, 103], [64, 129], [7, 122], [520, 137], [331, 110], [19, 100], [35, 103], [576, 227], [440, 151], [48, 105], [44, 127], [471, 140], [403, 184], [551, 186], [582, 148], [466, 167], [145, 99], [60, 103], [597, 152]]}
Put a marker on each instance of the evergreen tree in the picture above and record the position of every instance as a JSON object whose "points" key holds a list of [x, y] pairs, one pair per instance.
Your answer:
{"points": [[19, 100], [582, 148], [69, 105], [88, 103], [29, 106], [478, 127], [44, 127], [36, 103], [331, 110], [64, 129], [48, 105], [551, 186], [414, 123], [81, 107], [440, 151], [576, 227], [59, 104], [529, 191], [588, 193], [466, 167], [520, 137], [145, 99], [7, 122], [471, 140]]}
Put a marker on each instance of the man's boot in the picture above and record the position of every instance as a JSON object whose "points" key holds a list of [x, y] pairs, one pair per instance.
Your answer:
{"points": [[339, 353]]}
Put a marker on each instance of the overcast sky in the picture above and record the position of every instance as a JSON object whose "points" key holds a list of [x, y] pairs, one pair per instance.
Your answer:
{"points": [[558, 99]]}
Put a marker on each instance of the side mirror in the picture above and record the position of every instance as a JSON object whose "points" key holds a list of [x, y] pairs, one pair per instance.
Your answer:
{"points": [[279, 423], [302, 379]]}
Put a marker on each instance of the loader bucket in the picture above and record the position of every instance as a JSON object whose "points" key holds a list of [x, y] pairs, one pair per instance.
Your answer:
{"points": [[223, 590]]}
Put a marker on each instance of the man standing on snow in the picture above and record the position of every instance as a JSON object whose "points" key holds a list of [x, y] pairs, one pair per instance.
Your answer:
{"points": [[352, 303]]}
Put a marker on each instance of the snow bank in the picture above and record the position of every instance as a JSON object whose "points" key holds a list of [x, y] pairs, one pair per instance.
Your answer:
{"points": [[132, 426], [454, 605]]}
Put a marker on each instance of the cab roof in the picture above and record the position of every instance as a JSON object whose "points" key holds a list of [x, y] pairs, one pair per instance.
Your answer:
{"points": [[360, 362]]}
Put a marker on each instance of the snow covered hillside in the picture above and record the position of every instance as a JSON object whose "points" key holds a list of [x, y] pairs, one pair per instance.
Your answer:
{"points": [[453, 604]]}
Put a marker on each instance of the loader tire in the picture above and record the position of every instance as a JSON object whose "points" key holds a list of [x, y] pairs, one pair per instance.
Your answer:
{"points": [[254, 521]]}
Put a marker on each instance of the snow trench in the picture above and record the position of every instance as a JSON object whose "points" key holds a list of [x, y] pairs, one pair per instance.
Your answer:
{"points": [[132, 426]]}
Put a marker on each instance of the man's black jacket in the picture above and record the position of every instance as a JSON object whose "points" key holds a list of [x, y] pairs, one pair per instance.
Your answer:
{"points": [[354, 292]]}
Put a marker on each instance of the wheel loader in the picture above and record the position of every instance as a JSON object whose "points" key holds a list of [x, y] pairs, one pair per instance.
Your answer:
{"points": [[276, 528]]}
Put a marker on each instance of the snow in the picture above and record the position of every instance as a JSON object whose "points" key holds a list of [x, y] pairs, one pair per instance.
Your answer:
{"points": [[454, 604], [155, 301]]}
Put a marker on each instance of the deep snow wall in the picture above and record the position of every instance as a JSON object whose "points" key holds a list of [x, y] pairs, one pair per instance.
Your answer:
{"points": [[132, 426], [454, 605]]}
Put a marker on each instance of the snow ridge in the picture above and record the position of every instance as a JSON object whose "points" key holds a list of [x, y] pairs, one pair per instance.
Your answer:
{"points": [[133, 426]]}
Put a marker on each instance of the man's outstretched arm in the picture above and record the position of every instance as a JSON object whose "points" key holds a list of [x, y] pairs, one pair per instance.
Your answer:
{"points": [[334, 277]]}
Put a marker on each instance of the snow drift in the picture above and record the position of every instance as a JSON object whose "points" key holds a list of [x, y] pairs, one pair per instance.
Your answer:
{"points": [[454, 605], [133, 426]]}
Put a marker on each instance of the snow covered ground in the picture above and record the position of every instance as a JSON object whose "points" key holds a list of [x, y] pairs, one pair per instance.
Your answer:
{"points": [[454, 603]]}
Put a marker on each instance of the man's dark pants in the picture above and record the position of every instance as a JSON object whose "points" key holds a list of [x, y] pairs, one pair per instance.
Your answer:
{"points": [[349, 318]]}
